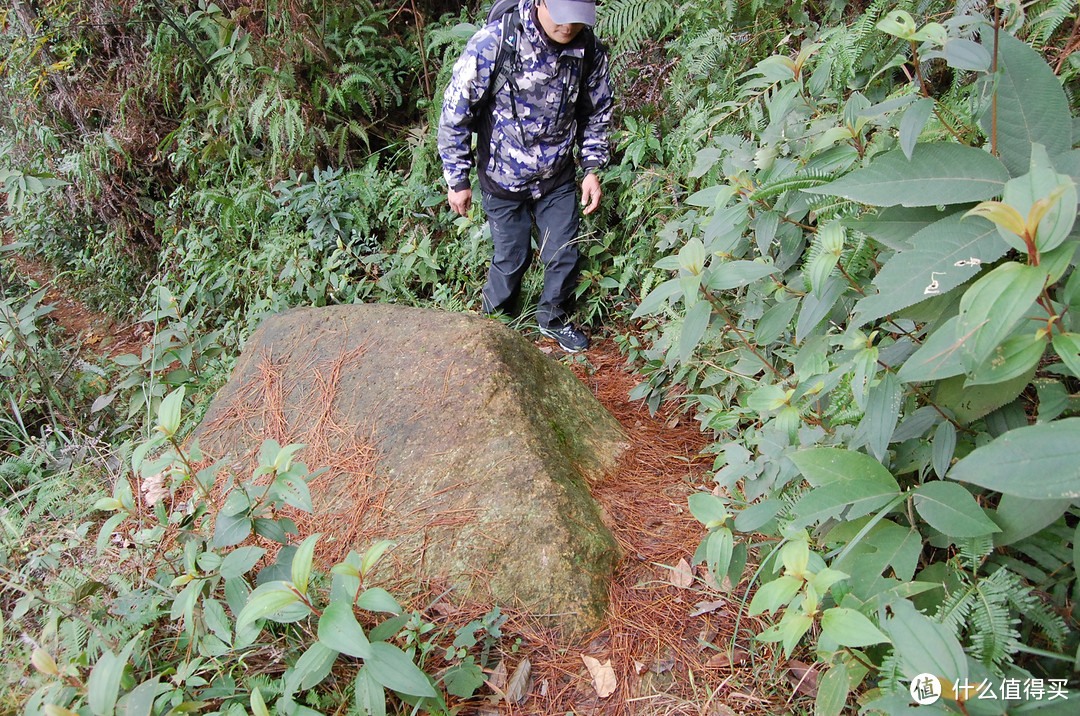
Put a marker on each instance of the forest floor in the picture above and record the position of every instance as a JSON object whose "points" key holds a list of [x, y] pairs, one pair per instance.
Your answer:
{"points": [[674, 642]]}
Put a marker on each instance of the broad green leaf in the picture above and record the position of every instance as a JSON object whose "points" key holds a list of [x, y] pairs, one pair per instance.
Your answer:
{"points": [[373, 554], [464, 679], [924, 646], [992, 306], [393, 669], [951, 510], [816, 307], [895, 225], [775, 321], [832, 692], [912, 123], [819, 269], [826, 466], [1067, 346], [1016, 356], [938, 173], [311, 668], [107, 529], [1037, 462], [657, 297], [231, 530], [852, 499], [1008, 220], [339, 630], [736, 274], [103, 686], [898, 23], [370, 697], [270, 529], [140, 700], [693, 328], [963, 54], [793, 627], [848, 627], [753, 517], [941, 258], [240, 561], [692, 256], [294, 491], [882, 411], [1019, 517], [377, 599], [708, 509], [938, 357], [944, 445], [263, 604], [795, 556], [301, 562], [973, 402], [169, 412], [1031, 106], [772, 595], [721, 544], [767, 398]]}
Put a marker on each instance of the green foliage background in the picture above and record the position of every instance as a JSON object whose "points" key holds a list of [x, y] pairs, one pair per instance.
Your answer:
{"points": [[842, 233]]}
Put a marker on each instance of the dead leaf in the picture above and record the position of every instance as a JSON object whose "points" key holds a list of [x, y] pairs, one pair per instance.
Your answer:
{"points": [[443, 609], [498, 676], [674, 422], [603, 676], [639, 667], [661, 665], [518, 686], [543, 688], [154, 489], [719, 491], [682, 575], [706, 607], [723, 660], [803, 677], [704, 639]]}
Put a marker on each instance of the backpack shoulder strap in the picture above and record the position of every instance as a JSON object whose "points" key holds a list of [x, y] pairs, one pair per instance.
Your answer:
{"points": [[511, 27], [592, 49]]}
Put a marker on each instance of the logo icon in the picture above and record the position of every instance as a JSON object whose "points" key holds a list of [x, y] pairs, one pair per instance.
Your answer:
{"points": [[925, 689]]}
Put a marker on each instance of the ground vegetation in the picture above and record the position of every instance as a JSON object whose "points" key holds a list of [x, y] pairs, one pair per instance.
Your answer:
{"points": [[837, 236]]}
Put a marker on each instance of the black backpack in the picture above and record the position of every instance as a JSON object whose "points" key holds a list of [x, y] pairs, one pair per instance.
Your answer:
{"points": [[511, 26]]}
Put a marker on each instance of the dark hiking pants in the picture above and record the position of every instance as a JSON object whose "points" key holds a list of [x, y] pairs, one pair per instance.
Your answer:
{"points": [[511, 221]]}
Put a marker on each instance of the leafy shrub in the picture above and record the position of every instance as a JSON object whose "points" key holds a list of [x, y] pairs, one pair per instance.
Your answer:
{"points": [[877, 317]]}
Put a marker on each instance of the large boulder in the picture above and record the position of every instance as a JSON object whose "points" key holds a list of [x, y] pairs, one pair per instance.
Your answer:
{"points": [[483, 448]]}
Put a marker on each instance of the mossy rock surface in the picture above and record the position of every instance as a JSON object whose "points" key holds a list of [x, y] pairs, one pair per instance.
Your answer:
{"points": [[485, 447]]}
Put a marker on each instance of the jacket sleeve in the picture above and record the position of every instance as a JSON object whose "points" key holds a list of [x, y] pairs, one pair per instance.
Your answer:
{"points": [[595, 149], [469, 79]]}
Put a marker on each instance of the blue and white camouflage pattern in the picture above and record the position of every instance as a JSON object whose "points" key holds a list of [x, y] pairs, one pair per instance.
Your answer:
{"points": [[543, 87]]}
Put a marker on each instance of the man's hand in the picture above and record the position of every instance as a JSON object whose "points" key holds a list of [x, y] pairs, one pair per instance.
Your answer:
{"points": [[590, 193], [460, 201]]}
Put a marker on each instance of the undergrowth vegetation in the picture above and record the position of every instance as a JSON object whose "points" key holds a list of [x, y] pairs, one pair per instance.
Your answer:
{"points": [[841, 234]]}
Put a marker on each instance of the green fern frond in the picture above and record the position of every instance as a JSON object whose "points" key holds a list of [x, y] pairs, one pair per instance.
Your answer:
{"points": [[1048, 17], [779, 186], [628, 23]]}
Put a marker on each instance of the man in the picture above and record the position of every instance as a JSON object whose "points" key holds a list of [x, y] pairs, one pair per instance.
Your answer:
{"points": [[541, 108]]}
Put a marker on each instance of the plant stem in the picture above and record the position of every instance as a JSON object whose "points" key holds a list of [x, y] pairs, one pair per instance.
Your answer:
{"points": [[993, 71], [720, 308]]}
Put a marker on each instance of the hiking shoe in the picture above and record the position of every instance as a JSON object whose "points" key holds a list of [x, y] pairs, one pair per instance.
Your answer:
{"points": [[569, 338]]}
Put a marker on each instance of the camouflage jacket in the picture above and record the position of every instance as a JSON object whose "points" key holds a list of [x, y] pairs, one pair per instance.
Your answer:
{"points": [[526, 138]]}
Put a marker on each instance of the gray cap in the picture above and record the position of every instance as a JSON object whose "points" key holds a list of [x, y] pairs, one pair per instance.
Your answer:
{"points": [[568, 12]]}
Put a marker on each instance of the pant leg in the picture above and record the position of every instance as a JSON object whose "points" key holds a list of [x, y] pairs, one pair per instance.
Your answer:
{"points": [[557, 221], [511, 230]]}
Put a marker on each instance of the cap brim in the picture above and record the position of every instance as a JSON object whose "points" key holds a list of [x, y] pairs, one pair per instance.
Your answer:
{"points": [[569, 13]]}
